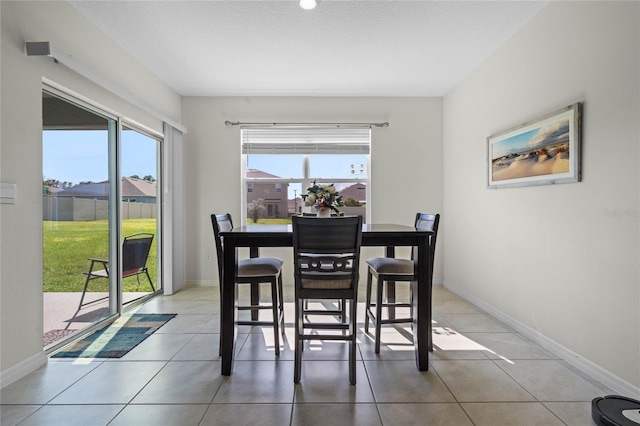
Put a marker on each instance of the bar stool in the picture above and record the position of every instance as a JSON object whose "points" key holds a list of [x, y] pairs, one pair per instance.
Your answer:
{"points": [[388, 269]]}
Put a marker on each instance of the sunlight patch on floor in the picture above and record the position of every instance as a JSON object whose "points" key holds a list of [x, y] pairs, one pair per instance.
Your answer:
{"points": [[448, 339]]}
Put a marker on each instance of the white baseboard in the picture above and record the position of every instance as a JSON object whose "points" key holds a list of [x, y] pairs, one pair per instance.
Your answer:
{"points": [[20, 370], [618, 385]]}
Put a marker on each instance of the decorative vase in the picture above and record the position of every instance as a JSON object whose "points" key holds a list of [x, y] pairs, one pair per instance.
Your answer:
{"points": [[324, 213]]}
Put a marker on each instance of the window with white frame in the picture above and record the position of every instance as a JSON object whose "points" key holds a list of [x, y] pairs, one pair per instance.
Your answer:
{"points": [[280, 163]]}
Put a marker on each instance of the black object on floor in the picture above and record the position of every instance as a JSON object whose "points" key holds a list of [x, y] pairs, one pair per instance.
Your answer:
{"points": [[614, 410]]}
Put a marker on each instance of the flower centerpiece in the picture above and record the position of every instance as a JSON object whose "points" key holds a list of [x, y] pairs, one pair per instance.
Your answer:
{"points": [[323, 198]]}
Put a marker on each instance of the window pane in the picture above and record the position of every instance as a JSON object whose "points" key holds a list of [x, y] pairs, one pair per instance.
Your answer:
{"points": [[280, 164], [295, 199], [338, 166], [354, 197], [267, 201], [269, 166], [139, 159]]}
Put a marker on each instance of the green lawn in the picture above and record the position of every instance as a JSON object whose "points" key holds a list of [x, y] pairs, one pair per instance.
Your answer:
{"points": [[68, 245], [270, 221]]}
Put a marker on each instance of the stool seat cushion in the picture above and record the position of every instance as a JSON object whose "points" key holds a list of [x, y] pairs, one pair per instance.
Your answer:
{"points": [[390, 265], [259, 267]]}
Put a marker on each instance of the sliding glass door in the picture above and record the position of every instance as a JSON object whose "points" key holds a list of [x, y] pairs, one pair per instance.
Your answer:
{"points": [[140, 209], [77, 199], [101, 216]]}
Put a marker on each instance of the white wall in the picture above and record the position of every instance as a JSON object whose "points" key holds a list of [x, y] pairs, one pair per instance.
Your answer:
{"points": [[21, 150], [553, 259], [406, 161]]}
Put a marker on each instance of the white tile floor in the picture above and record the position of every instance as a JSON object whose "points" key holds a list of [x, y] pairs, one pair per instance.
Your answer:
{"points": [[481, 373]]}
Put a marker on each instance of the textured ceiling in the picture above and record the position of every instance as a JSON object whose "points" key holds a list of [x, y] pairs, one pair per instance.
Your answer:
{"points": [[341, 48]]}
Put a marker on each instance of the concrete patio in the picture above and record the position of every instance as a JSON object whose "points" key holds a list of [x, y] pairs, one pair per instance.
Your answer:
{"points": [[62, 318]]}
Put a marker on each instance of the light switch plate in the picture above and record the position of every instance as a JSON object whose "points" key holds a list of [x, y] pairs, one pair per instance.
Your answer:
{"points": [[8, 193]]}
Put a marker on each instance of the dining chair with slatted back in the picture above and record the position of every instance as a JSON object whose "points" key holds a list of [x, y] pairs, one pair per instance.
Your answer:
{"points": [[326, 253], [340, 309], [253, 271], [389, 269]]}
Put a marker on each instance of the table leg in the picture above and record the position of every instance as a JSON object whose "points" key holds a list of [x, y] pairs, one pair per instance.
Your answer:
{"points": [[227, 306], [422, 305]]}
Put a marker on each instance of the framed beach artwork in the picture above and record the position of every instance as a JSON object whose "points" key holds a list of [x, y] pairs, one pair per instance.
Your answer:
{"points": [[541, 152]]}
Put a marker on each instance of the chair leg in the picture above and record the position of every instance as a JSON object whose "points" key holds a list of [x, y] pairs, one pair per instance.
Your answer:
{"points": [[220, 340], [297, 369], [378, 320], [411, 302], [276, 315], [367, 306], [149, 278], [353, 344], [86, 283], [138, 281], [281, 304], [255, 300]]}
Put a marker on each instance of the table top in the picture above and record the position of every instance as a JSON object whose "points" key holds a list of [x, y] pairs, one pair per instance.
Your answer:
{"points": [[383, 234], [366, 228]]}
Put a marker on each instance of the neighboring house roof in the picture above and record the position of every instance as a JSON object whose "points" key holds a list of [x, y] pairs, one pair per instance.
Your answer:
{"points": [[255, 173], [93, 189], [131, 187], [357, 191]]}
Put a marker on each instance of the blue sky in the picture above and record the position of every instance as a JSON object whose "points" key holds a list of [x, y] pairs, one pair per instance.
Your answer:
{"points": [[550, 133], [514, 143], [81, 155]]}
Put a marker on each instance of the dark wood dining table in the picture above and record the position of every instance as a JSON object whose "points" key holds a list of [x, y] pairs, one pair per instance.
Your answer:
{"points": [[382, 235]]}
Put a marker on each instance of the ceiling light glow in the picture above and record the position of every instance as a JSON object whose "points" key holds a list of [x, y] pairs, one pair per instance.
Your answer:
{"points": [[308, 4]]}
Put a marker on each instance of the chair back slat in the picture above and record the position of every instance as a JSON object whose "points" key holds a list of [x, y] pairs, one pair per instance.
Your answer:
{"points": [[220, 223], [428, 222], [326, 235], [326, 249]]}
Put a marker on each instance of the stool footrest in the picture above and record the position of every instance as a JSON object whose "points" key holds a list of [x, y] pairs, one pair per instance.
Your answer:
{"points": [[326, 326], [255, 307]]}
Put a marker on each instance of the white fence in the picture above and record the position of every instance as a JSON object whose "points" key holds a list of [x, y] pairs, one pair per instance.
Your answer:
{"points": [[82, 209]]}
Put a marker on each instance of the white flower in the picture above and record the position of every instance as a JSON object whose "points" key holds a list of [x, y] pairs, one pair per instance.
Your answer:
{"points": [[310, 200]]}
